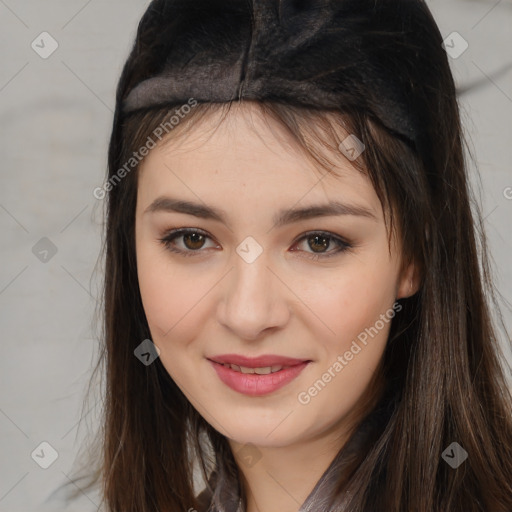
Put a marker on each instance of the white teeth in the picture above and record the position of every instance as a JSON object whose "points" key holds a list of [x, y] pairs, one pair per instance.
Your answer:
{"points": [[260, 371]]}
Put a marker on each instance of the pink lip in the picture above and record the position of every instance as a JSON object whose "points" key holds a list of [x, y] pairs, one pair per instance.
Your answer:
{"points": [[253, 384]]}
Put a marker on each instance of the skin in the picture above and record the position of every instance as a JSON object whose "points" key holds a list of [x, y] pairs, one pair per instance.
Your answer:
{"points": [[283, 303]]}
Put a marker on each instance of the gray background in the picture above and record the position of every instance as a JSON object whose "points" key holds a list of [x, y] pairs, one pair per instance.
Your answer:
{"points": [[56, 116]]}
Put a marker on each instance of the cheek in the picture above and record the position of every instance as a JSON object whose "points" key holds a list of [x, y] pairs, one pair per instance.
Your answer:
{"points": [[351, 306], [170, 294], [350, 301]]}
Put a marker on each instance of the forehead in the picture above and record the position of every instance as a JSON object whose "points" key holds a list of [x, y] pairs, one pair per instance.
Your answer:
{"points": [[246, 152]]}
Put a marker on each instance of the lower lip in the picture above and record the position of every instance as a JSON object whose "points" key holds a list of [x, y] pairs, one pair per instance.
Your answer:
{"points": [[253, 384]]}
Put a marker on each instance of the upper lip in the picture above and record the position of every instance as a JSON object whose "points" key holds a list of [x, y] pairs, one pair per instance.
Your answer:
{"points": [[257, 362]]}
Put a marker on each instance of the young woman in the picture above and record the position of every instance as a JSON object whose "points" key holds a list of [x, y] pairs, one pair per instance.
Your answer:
{"points": [[297, 301]]}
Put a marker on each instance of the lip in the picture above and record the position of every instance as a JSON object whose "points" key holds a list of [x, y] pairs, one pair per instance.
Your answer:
{"points": [[253, 384], [257, 362]]}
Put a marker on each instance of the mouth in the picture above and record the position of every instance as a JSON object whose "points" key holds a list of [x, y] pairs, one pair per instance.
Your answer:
{"points": [[262, 365], [263, 370], [257, 376]]}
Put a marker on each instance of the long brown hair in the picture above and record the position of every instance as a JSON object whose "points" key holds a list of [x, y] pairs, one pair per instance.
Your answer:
{"points": [[441, 370]]}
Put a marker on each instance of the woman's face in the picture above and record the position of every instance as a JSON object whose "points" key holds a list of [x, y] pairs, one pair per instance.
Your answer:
{"points": [[265, 275]]}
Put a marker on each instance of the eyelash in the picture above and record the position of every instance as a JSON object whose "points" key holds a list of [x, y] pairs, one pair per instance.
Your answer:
{"points": [[170, 236]]}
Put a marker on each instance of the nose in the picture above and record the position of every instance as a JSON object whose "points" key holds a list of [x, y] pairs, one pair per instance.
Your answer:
{"points": [[254, 301]]}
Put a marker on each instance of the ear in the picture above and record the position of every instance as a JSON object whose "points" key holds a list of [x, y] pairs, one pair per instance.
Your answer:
{"points": [[409, 282]]}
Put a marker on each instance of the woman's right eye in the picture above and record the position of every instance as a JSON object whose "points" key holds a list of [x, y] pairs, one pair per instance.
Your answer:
{"points": [[193, 241]]}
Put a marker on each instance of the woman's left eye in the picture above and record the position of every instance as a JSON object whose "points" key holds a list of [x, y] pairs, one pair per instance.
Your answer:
{"points": [[193, 241]]}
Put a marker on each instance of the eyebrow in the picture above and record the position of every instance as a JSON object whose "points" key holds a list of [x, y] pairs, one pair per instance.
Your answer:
{"points": [[283, 217]]}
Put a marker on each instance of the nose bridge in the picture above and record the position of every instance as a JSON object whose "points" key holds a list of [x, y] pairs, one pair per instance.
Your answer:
{"points": [[252, 301]]}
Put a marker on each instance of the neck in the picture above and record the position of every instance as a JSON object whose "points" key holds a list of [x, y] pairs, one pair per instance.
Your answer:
{"points": [[281, 478]]}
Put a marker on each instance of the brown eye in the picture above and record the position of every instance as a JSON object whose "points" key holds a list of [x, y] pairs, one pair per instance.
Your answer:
{"points": [[192, 241], [320, 241]]}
